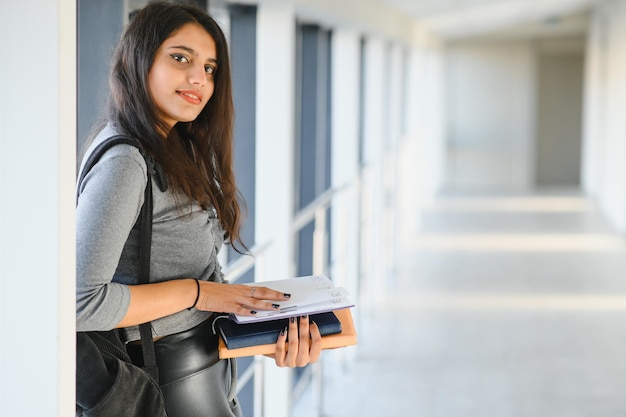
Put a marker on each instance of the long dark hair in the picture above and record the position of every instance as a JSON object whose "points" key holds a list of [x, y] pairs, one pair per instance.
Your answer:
{"points": [[196, 156]]}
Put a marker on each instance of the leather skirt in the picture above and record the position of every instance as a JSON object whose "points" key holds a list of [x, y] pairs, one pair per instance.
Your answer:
{"points": [[194, 381]]}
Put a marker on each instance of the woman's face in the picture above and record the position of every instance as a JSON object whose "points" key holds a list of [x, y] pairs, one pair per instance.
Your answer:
{"points": [[180, 80]]}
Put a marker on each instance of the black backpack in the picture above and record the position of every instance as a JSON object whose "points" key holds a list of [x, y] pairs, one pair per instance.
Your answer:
{"points": [[108, 384]]}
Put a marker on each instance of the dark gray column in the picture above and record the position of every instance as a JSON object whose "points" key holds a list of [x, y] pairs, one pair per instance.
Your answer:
{"points": [[313, 128], [243, 64], [99, 27], [243, 59]]}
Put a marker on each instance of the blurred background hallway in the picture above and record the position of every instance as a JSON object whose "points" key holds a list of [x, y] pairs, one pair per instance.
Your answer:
{"points": [[502, 306]]}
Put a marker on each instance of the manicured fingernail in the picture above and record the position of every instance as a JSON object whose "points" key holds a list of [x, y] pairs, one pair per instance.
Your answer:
{"points": [[276, 305], [287, 295], [304, 317], [282, 332], [253, 312], [293, 319]]}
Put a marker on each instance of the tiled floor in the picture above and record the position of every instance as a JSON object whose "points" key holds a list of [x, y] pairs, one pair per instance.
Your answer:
{"points": [[510, 306]]}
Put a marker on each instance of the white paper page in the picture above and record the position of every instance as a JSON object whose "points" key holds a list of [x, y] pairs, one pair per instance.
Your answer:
{"points": [[309, 295]]}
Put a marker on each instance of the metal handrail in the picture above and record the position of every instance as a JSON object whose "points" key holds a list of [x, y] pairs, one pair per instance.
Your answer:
{"points": [[305, 215], [235, 270], [316, 212]]}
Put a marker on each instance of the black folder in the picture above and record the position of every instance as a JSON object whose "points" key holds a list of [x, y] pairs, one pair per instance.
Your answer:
{"points": [[266, 332]]}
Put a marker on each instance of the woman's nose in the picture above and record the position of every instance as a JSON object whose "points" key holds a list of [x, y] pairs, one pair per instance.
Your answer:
{"points": [[197, 75]]}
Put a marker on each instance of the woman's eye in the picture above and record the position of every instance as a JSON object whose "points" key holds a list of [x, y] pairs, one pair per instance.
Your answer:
{"points": [[209, 69], [180, 58]]}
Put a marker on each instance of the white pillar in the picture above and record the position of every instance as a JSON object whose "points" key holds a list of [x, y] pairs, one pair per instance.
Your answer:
{"points": [[412, 160], [594, 102], [391, 172], [345, 73], [37, 160], [66, 238], [436, 152], [372, 179], [615, 109], [424, 150], [608, 130], [275, 167], [345, 102]]}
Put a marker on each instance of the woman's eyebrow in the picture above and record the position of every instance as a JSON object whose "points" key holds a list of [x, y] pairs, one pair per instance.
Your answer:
{"points": [[191, 51]]}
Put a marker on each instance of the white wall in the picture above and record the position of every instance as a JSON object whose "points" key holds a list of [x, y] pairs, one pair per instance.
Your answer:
{"points": [[422, 151], [490, 107], [37, 159], [604, 173]]}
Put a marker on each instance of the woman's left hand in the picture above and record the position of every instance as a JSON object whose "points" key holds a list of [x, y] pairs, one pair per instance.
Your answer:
{"points": [[299, 344]]}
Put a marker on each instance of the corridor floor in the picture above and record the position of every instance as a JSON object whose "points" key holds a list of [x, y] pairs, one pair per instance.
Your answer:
{"points": [[501, 306]]}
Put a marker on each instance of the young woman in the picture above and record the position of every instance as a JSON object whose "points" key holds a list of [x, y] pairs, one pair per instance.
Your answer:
{"points": [[171, 90]]}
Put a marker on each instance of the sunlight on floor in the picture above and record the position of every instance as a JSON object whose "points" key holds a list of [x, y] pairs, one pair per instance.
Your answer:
{"points": [[532, 302], [533, 241], [547, 204], [539, 242]]}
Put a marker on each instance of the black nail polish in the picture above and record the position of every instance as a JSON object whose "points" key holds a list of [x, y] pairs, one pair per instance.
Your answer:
{"points": [[293, 319], [253, 312], [287, 295], [275, 305], [304, 317], [282, 332]]}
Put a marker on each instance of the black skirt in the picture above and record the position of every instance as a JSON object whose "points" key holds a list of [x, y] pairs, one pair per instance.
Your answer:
{"points": [[194, 381]]}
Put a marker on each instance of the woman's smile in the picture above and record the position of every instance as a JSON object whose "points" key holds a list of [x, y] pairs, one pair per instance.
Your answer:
{"points": [[192, 96]]}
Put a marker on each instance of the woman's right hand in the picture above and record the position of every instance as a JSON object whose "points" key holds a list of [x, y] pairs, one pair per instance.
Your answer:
{"points": [[299, 344], [244, 300]]}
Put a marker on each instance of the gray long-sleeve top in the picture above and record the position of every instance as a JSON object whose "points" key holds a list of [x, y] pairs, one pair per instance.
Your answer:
{"points": [[185, 242]]}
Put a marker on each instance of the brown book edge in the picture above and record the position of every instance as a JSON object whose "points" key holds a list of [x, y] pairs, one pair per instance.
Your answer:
{"points": [[347, 337]]}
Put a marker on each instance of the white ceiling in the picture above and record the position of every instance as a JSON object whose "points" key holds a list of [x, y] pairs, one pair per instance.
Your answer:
{"points": [[463, 18]]}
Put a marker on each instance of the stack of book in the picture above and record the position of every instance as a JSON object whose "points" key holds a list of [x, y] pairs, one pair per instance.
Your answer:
{"points": [[316, 296]]}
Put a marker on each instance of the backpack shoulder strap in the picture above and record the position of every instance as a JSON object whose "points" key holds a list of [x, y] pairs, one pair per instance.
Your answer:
{"points": [[145, 217], [145, 235], [100, 150]]}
